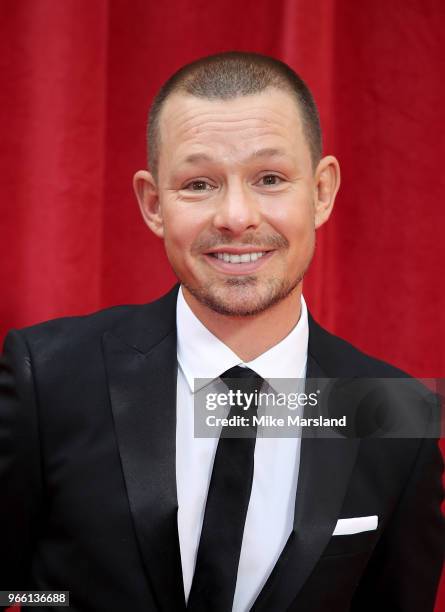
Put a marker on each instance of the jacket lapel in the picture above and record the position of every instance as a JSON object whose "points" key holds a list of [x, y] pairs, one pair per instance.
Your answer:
{"points": [[325, 469], [141, 366]]}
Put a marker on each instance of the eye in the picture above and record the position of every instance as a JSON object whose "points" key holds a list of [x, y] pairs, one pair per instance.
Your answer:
{"points": [[199, 186], [270, 180]]}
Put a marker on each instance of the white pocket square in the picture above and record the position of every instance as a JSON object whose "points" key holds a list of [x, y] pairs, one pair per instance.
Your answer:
{"points": [[348, 526]]}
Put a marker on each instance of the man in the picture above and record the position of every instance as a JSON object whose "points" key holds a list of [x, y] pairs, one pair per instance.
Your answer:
{"points": [[109, 495]]}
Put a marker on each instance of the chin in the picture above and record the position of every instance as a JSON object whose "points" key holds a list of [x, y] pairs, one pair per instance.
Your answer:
{"points": [[242, 297]]}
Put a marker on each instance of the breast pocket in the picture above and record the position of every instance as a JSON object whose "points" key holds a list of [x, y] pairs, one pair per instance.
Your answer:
{"points": [[352, 543]]}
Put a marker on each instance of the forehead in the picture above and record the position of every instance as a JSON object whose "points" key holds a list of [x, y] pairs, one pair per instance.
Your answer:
{"points": [[268, 119]]}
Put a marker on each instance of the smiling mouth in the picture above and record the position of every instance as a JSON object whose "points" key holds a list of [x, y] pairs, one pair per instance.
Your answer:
{"points": [[238, 258]]}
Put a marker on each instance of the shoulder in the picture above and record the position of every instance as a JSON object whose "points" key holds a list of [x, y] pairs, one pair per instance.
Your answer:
{"points": [[134, 323], [339, 358], [375, 389]]}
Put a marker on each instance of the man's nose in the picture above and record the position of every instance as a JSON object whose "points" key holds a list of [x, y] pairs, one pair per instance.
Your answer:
{"points": [[238, 210]]}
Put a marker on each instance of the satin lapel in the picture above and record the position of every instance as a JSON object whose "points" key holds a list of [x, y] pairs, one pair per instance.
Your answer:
{"points": [[143, 398], [325, 469]]}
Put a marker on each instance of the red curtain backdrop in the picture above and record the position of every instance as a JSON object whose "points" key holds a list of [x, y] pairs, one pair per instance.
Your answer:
{"points": [[76, 79]]}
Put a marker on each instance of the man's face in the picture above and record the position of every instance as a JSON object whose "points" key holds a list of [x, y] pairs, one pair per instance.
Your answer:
{"points": [[236, 199]]}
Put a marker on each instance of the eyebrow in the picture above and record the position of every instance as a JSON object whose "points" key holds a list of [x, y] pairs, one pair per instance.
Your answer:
{"points": [[268, 152], [194, 158]]}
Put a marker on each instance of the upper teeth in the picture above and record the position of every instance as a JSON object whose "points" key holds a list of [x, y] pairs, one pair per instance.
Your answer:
{"points": [[244, 258]]}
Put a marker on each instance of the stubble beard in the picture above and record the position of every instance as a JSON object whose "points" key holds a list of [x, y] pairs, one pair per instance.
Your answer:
{"points": [[245, 296], [240, 297]]}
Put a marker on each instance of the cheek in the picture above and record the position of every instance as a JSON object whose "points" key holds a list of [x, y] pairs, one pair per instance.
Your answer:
{"points": [[183, 224], [294, 221], [181, 229], [292, 209]]}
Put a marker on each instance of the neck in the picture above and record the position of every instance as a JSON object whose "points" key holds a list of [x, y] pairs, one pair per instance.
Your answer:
{"points": [[250, 336]]}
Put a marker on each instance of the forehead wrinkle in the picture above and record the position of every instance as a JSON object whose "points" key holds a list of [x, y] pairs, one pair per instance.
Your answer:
{"points": [[193, 149], [264, 152], [215, 120], [254, 126], [179, 117], [215, 137], [248, 126], [250, 136]]}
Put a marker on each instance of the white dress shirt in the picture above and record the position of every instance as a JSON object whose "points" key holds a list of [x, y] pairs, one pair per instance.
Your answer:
{"points": [[271, 508]]}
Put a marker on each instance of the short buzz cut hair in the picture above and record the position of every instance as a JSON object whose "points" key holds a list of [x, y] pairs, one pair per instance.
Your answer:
{"points": [[228, 75]]}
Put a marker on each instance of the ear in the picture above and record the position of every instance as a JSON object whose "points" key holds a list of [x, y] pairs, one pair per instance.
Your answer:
{"points": [[327, 183], [147, 195]]}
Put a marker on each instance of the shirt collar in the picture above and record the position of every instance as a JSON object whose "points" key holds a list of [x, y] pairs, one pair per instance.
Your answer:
{"points": [[201, 355]]}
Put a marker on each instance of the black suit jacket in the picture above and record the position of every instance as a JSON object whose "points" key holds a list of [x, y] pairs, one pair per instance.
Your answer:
{"points": [[87, 474]]}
